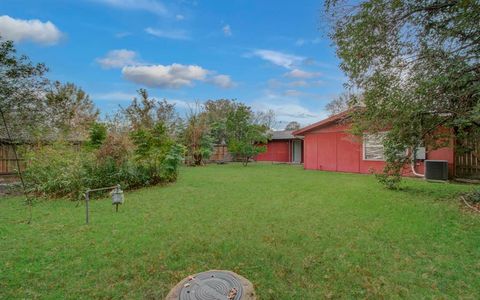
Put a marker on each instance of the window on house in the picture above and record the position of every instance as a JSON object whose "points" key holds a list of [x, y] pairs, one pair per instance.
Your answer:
{"points": [[373, 146]]}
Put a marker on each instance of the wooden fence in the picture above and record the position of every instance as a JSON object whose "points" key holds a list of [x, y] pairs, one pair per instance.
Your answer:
{"points": [[220, 153], [467, 165], [8, 163]]}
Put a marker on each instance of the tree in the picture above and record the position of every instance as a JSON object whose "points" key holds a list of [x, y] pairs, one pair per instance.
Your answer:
{"points": [[245, 138], [341, 103], [146, 112], [167, 114], [141, 113], [216, 112], [152, 144], [418, 66], [265, 118], [70, 108], [292, 126], [97, 135], [197, 136], [22, 86]]}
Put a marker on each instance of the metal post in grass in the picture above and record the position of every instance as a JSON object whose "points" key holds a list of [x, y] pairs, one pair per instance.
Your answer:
{"points": [[116, 193]]}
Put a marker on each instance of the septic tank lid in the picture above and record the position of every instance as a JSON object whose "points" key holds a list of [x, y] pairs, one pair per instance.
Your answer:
{"points": [[213, 285]]}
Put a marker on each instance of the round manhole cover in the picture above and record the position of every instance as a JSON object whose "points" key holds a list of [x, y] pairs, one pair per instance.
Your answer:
{"points": [[212, 285]]}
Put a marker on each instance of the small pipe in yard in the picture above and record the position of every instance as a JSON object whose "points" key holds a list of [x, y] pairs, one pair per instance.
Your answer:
{"points": [[87, 199]]}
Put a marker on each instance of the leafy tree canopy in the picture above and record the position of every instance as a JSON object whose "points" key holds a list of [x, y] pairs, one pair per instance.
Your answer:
{"points": [[216, 113], [197, 135], [70, 109], [341, 103], [146, 112], [97, 135], [417, 64], [22, 86], [245, 135], [293, 126]]}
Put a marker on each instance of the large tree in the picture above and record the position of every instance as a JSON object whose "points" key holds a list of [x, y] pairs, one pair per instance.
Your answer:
{"points": [[22, 85], [417, 64], [246, 136], [35, 109], [71, 110], [197, 135], [216, 113], [146, 112]]}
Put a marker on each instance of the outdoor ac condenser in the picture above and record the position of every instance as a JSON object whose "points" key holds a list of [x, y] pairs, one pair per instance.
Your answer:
{"points": [[436, 170]]}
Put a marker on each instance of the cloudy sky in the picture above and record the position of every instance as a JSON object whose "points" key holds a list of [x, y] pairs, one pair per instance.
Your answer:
{"points": [[269, 54]]}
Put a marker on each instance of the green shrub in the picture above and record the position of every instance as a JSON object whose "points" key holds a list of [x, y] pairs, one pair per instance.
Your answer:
{"points": [[97, 135], [57, 170], [172, 161], [60, 170]]}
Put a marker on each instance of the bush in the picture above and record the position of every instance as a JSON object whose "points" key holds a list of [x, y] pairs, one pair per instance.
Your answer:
{"points": [[57, 171], [97, 135], [172, 161], [60, 170]]}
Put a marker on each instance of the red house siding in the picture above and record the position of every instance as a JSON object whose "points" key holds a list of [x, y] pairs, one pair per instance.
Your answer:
{"points": [[277, 150], [280, 151], [329, 147]]}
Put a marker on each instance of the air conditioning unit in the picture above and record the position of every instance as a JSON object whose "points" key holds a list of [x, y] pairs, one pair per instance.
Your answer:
{"points": [[436, 170]]}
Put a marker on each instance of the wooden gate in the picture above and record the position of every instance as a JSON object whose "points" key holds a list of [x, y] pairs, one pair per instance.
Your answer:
{"points": [[467, 165]]}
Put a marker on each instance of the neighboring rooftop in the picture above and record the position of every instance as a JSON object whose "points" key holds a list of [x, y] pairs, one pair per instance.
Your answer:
{"points": [[282, 135]]}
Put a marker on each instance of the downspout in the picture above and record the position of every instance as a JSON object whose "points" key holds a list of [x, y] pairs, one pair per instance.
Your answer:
{"points": [[413, 166]]}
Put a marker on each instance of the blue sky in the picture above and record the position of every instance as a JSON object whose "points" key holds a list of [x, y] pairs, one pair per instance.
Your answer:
{"points": [[268, 54]]}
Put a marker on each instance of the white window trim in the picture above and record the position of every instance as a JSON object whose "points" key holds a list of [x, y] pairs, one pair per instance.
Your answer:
{"points": [[364, 146]]}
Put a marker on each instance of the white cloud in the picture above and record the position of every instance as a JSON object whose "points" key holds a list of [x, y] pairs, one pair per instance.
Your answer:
{"points": [[151, 6], [292, 93], [114, 96], [169, 34], [223, 81], [276, 84], [285, 60], [289, 108], [298, 83], [179, 17], [118, 59], [19, 30], [287, 112], [301, 41], [297, 73], [170, 76], [183, 104], [174, 76], [227, 30]]}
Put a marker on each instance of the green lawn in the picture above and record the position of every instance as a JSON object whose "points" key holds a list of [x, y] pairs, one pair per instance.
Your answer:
{"points": [[295, 234]]}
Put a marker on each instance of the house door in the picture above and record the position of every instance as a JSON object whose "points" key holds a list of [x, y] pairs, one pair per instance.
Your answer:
{"points": [[297, 152]]}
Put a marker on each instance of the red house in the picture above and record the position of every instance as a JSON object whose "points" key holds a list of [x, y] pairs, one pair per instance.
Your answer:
{"points": [[283, 146], [328, 146]]}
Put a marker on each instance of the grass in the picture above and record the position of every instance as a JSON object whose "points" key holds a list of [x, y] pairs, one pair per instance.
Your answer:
{"points": [[295, 234]]}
